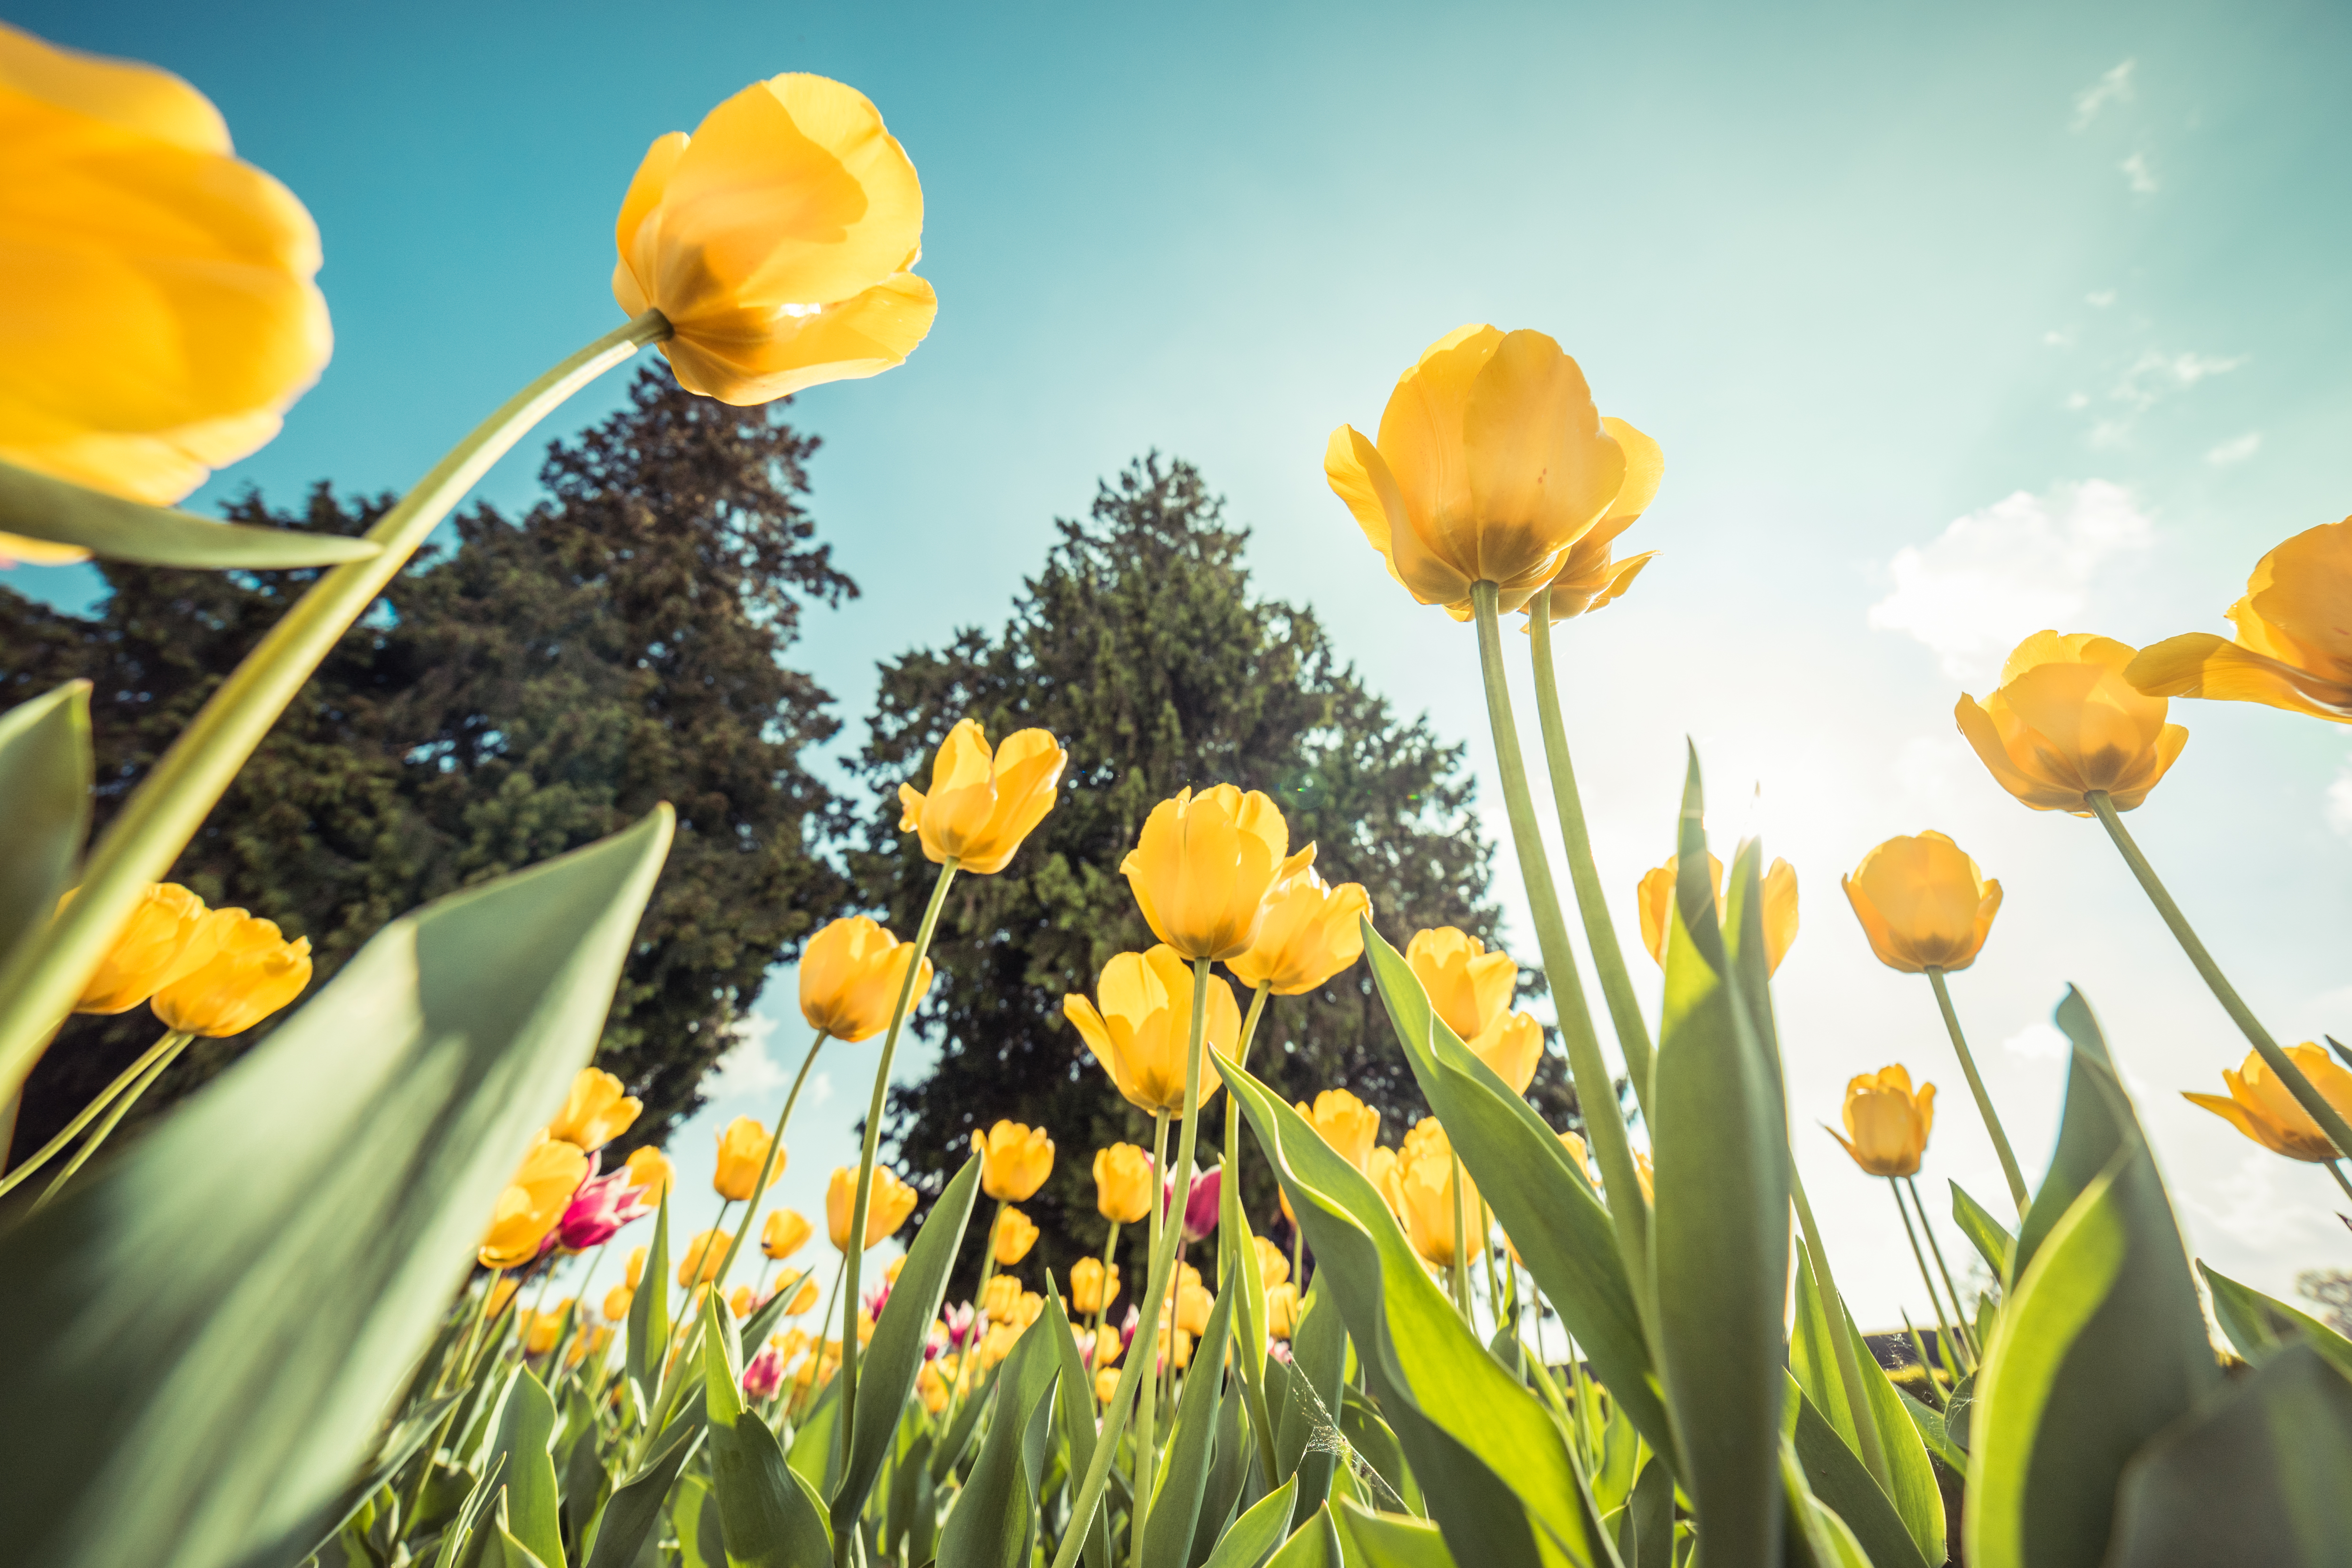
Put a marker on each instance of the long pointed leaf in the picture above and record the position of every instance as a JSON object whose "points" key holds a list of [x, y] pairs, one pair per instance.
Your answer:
{"points": [[768, 1517], [1176, 1505], [1257, 1532], [45, 777], [526, 1429], [994, 1522], [1988, 1236], [39, 507], [637, 1505]]}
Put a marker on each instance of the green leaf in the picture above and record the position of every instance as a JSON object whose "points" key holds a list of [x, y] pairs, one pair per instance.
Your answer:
{"points": [[1236, 1453], [1816, 1536], [1308, 1418], [1929, 1424], [1917, 1500], [693, 1514], [1720, 1243], [2260, 1474], [1992, 1238], [513, 1554], [171, 1296], [1257, 1532], [1235, 1240], [1835, 1476], [1075, 1399], [526, 1428], [768, 1516], [1316, 1544], [1390, 1540], [1650, 1513], [994, 1522], [1176, 1502], [650, 1309], [1543, 1199], [1960, 1412], [814, 1437], [637, 1506], [391, 1456], [60, 512], [45, 778], [1376, 1446], [949, 1454], [2095, 1124], [2261, 1326], [898, 1511]]}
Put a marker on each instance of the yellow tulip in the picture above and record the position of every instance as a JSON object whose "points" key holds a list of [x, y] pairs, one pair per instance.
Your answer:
{"points": [[540, 1328], [802, 1299], [1194, 1302], [1923, 903], [1106, 1384], [1422, 1187], [785, 1233], [851, 974], [1311, 933], [743, 1300], [742, 1150], [1145, 1020], [777, 242], [1886, 1124], [616, 1302], [1345, 1123], [594, 1112], [170, 933], [650, 1170], [1589, 579], [996, 1345], [1123, 1183], [886, 1206], [1512, 1046], [1468, 986], [2294, 647], [1203, 866], [252, 973], [1656, 898], [2065, 722], [890, 1270], [1028, 1309], [2267, 1111], [1281, 1310], [636, 1266], [1002, 1299], [500, 1294], [1014, 1234], [1273, 1267], [1014, 1161], [982, 805], [1108, 1346], [592, 1343], [933, 1390], [1491, 464], [160, 312], [533, 1201], [1092, 1287], [698, 1261]]}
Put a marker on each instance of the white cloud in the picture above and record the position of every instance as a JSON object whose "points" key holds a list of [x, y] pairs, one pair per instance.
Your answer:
{"points": [[2339, 801], [2018, 565], [747, 1068], [2114, 87], [2039, 1043], [2099, 300], [2059, 338], [2138, 175], [2237, 449]]}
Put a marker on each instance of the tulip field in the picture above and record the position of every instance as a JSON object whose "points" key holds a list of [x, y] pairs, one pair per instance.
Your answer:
{"points": [[1480, 1340]]}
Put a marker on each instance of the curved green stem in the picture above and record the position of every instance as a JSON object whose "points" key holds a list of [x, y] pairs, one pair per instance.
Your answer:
{"points": [[2009, 1168], [1969, 1346], [1919, 1349], [1858, 1399], [164, 1048], [1600, 934], [2335, 1169], [44, 976], [1241, 1056], [768, 1165], [2331, 1120], [122, 1104], [1943, 1323]]}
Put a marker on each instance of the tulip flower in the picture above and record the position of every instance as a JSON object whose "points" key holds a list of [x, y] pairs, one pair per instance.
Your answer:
{"points": [[502, 1292], [1657, 899], [959, 1320], [2263, 1108], [1310, 933], [1014, 1161], [2064, 723], [2294, 647], [160, 314], [1092, 1287], [890, 1270], [1273, 1267], [802, 1299], [742, 1150], [1013, 1235], [1345, 1123], [1201, 1199], [1194, 1302], [1512, 1046], [1588, 579], [698, 1261], [786, 1231], [594, 1112], [1468, 986], [1000, 1298], [981, 807], [933, 1390], [886, 1208], [536, 1195], [1886, 1124], [777, 241], [1281, 1310], [616, 1302], [540, 1328], [1123, 1183], [1028, 1307], [851, 974], [651, 1172], [636, 1266], [744, 1301], [763, 1375], [170, 931], [1923, 903], [1435, 1204], [1106, 1384], [253, 973], [1203, 866], [598, 1209], [1491, 463], [1144, 1022]]}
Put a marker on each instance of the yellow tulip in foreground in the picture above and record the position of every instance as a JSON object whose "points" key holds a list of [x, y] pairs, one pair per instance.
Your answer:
{"points": [[1422, 1187], [1014, 1161], [851, 974], [785, 1233], [1491, 463], [1512, 1046], [1013, 1237], [1203, 865], [651, 1173], [594, 1112], [1144, 1021], [1468, 986], [891, 1202], [1886, 1125], [533, 1201], [777, 242], [2263, 1108], [742, 1150], [2064, 722], [252, 973], [159, 310], [1589, 579], [1923, 903], [2294, 647], [1311, 933], [170, 933], [981, 804], [1123, 1183], [1656, 898], [1092, 1287]]}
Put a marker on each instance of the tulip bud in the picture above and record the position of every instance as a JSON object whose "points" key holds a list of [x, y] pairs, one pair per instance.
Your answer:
{"points": [[851, 974], [1002, 1299], [1204, 866], [1123, 1183], [1885, 1124], [594, 1112], [1014, 1161], [1092, 1287], [1014, 1234], [785, 1233], [982, 804], [742, 1150], [1144, 1023]]}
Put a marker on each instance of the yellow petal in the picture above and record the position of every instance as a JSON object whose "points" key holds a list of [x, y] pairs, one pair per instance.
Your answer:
{"points": [[1542, 470]]}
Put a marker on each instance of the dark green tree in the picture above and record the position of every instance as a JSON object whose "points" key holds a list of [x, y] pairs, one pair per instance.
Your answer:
{"points": [[1142, 646], [539, 685]]}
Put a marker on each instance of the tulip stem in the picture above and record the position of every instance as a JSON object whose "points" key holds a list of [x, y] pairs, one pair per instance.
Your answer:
{"points": [[767, 1166], [162, 1059], [1969, 1346], [2009, 1168], [1857, 1400], [1943, 1324], [1458, 1273], [2331, 1121], [1241, 1056], [1102, 1298], [2335, 1169], [1600, 934], [44, 976], [164, 1049], [857, 1238], [1595, 1091], [1926, 1365]]}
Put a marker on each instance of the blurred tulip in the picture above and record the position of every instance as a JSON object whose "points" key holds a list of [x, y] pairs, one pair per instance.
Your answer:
{"points": [[744, 1301], [594, 1112], [996, 1345], [890, 1270], [1310, 934], [1886, 1124], [598, 1209], [1180, 1341], [763, 1375], [1345, 1123], [1092, 1288], [1014, 1161], [1923, 903], [1013, 1237], [170, 931], [252, 973], [1001, 1298], [1656, 898], [616, 1302], [526, 1213], [851, 974], [886, 1206], [1203, 866], [1106, 1384], [982, 805], [636, 1266], [698, 1260], [785, 1233], [1468, 986], [1428, 1196], [1281, 1310], [1589, 579], [1122, 1183], [802, 1299], [651, 1173], [2294, 647], [1194, 1302], [1027, 1308], [777, 242], [500, 1294], [1273, 1267], [1492, 462], [1202, 1196], [539, 1329], [932, 1389], [960, 1320], [159, 314], [742, 1150], [1574, 1143], [2064, 722], [1512, 1046], [2266, 1110], [1145, 1021]]}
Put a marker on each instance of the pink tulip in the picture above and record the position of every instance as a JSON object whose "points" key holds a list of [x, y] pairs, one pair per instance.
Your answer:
{"points": [[599, 1208], [765, 1375], [963, 1325], [1200, 1205]]}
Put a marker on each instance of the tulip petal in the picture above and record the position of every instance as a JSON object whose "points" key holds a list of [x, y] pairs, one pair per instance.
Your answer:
{"points": [[754, 356], [1542, 471], [1421, 435], [2200, 664]]}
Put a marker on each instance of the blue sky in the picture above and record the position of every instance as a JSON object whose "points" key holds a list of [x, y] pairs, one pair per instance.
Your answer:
{"points": [[1952, 325]]}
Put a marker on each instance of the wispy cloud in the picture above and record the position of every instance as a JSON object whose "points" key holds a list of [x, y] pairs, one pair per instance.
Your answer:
{"points": [[2039, 1042], [2236, 449], [747, 1068], [2138, 175], [2022, 564], [2114, 87], [2099, 299], [2155, 373]]}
